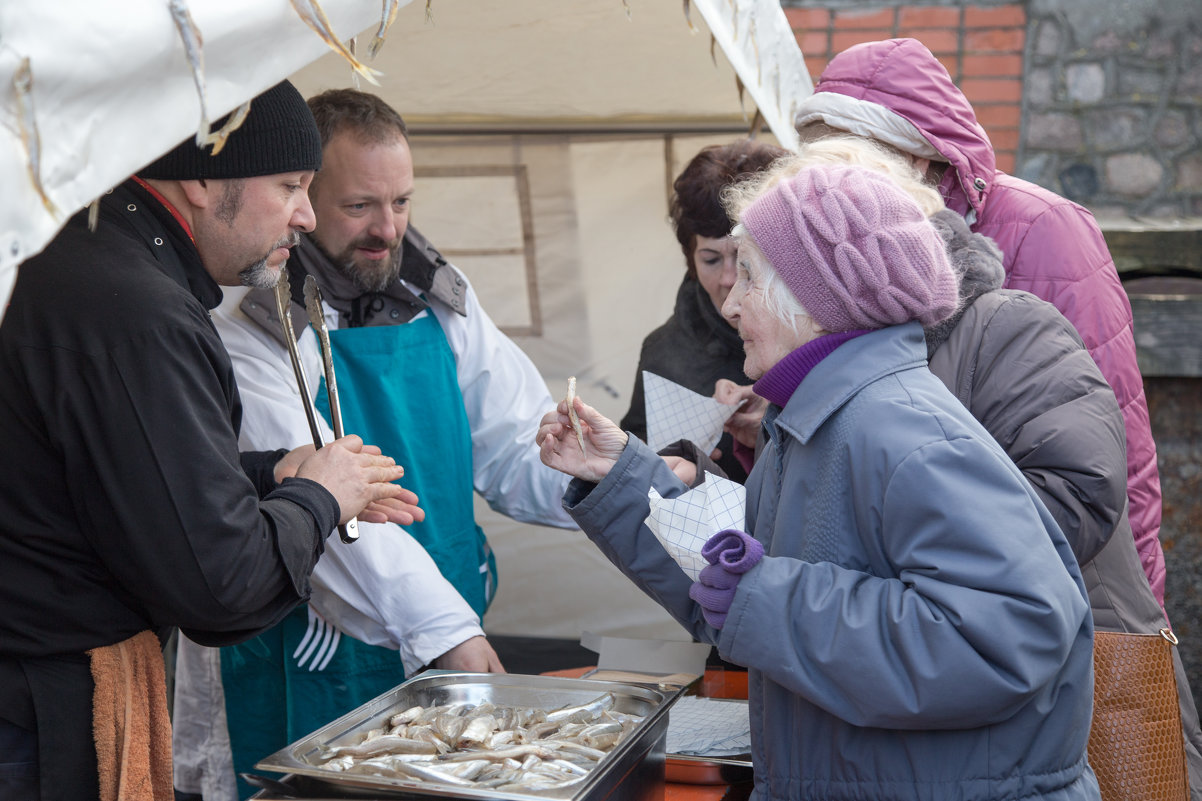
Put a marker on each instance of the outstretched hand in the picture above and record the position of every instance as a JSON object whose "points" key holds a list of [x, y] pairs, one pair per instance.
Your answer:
{"points": [[559, 447], [402, 510], [355, 474], [744, 425]]}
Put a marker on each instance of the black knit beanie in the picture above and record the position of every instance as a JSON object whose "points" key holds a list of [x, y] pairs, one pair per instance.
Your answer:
{"points": [[277, 136]]}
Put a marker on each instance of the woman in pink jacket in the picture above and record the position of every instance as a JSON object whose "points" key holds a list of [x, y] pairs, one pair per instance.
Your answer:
{"points": [[895, 91]]}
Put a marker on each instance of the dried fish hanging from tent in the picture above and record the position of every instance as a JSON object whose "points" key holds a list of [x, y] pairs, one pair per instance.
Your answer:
{"points": [[315, 17], [193, 42], [27, 125], [189, 34], [387, 17]]}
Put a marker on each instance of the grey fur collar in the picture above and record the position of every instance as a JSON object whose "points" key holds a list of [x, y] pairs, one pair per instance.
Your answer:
{"points": [[977, 261]]}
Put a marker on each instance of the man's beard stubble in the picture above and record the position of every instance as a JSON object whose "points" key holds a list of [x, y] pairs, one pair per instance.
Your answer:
{"points": [[367, 275], [259, 275]]}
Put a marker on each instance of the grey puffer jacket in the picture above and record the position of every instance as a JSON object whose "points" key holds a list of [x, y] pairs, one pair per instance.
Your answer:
{"points": [[1022, 370], [918, 627]]}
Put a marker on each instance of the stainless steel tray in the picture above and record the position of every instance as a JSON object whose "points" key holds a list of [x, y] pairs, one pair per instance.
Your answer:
{"points": [[629, 771]]}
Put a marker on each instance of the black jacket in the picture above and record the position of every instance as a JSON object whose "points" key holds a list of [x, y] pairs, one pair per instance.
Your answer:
{"points": [[694, 348], [126, 505]]}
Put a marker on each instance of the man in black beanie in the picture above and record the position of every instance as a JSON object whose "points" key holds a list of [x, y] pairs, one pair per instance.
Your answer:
{"points": [[127, 508]]}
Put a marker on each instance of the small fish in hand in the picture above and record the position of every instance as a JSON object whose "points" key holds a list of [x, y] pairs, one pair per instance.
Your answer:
{"points": [[315, 17], [571, 401]]}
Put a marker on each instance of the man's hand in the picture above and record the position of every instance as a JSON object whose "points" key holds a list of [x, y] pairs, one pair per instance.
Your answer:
{"points": [[402, 510], [744, 425], [559, 447], [354, 473], [684, 469], [286, 467], [474, 655]]}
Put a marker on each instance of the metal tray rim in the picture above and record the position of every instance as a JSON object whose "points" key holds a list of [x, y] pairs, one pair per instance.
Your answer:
{"points": [[283, 760]]}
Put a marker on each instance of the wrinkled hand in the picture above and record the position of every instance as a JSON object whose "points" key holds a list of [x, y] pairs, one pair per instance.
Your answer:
{"points": [[559, 448], [684, 469], [744, 425], [474, 654], [354, 473], [402, 510]]}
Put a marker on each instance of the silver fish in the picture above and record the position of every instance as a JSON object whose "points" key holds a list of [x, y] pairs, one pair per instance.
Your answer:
{"points": [[408, 716], [584, 712], [28, 127], [315, 17], [477, 730], [387, 17], [386, 744], [194, 47]]}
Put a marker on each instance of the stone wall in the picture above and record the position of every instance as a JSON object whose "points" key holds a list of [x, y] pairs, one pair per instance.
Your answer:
{"points": [[1113, 105], [1099, 100]]}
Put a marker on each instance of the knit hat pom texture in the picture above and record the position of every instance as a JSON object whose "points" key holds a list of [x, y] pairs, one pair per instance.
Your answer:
{"points": [[278, 136], [854, 249]]}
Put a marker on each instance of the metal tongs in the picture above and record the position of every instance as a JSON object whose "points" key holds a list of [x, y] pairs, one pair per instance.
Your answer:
{"points": [[349, 531]]}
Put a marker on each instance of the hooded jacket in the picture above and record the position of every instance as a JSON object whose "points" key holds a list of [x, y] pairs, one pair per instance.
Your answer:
{"points": [[1023, 372], [897, 92], [900, 641]]}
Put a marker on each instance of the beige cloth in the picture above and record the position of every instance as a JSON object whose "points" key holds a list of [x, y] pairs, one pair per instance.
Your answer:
{"points": [[130, 721]]}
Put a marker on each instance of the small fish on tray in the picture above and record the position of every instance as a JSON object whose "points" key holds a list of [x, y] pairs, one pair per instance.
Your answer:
{"points": [[489, 746]]}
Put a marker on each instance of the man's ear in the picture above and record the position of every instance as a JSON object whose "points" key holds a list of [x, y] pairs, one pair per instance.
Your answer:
{"points": [[196, 191]]}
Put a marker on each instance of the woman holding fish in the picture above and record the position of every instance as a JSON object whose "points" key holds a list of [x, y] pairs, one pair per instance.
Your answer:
{"points": [[912, 618]]}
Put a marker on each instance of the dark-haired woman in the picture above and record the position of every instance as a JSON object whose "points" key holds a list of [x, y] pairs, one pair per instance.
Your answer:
{"points": [[696, 347]]}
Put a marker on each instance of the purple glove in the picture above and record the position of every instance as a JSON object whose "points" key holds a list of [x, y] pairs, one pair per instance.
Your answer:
{"points": [[731, 553]]}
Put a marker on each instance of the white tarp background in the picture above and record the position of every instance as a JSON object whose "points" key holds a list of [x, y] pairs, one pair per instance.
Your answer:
{"points": [[594, 109], [113, 90]]}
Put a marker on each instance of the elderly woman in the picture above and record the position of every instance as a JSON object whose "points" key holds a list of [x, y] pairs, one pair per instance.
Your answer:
{"points": [[912, 618], [697, 347]]}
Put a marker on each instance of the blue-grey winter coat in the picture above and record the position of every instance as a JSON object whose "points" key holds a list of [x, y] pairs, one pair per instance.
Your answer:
{"points": [[918, 628]]}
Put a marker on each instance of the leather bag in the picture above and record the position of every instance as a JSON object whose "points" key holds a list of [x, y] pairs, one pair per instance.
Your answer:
{"points": [[1136, 745]]}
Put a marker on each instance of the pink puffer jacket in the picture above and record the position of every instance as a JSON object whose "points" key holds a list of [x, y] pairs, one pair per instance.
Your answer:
{"points": [[1052, 247]]}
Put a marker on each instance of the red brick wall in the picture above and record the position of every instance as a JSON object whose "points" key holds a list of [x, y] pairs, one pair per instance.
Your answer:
{"points": [[982, 49]]}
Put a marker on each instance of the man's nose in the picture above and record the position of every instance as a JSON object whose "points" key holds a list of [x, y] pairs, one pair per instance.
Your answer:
{"points": [[304, 218], [383, 226]]}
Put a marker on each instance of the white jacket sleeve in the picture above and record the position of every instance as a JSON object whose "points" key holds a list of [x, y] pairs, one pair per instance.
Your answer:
{"points": [[384, 589], [505, 397]]}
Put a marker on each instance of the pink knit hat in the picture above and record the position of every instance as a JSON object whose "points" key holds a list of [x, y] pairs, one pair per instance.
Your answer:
{"points": [[854, 248]]}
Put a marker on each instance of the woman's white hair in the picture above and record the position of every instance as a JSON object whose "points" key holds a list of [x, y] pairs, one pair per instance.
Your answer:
{"points": [[778, 298], [838, 149], [842, 149]]}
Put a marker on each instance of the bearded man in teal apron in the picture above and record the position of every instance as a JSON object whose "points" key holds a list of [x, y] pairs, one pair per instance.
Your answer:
{"points": [[424, 373]]}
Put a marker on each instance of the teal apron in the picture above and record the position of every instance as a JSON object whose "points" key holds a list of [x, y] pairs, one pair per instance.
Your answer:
{"points": [[398, 389]]}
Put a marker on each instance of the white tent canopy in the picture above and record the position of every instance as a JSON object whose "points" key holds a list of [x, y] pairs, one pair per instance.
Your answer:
{"points": [[546, 135]]}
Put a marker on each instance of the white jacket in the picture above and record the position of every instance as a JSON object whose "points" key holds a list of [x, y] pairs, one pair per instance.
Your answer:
{"points": [[384, 589]]}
